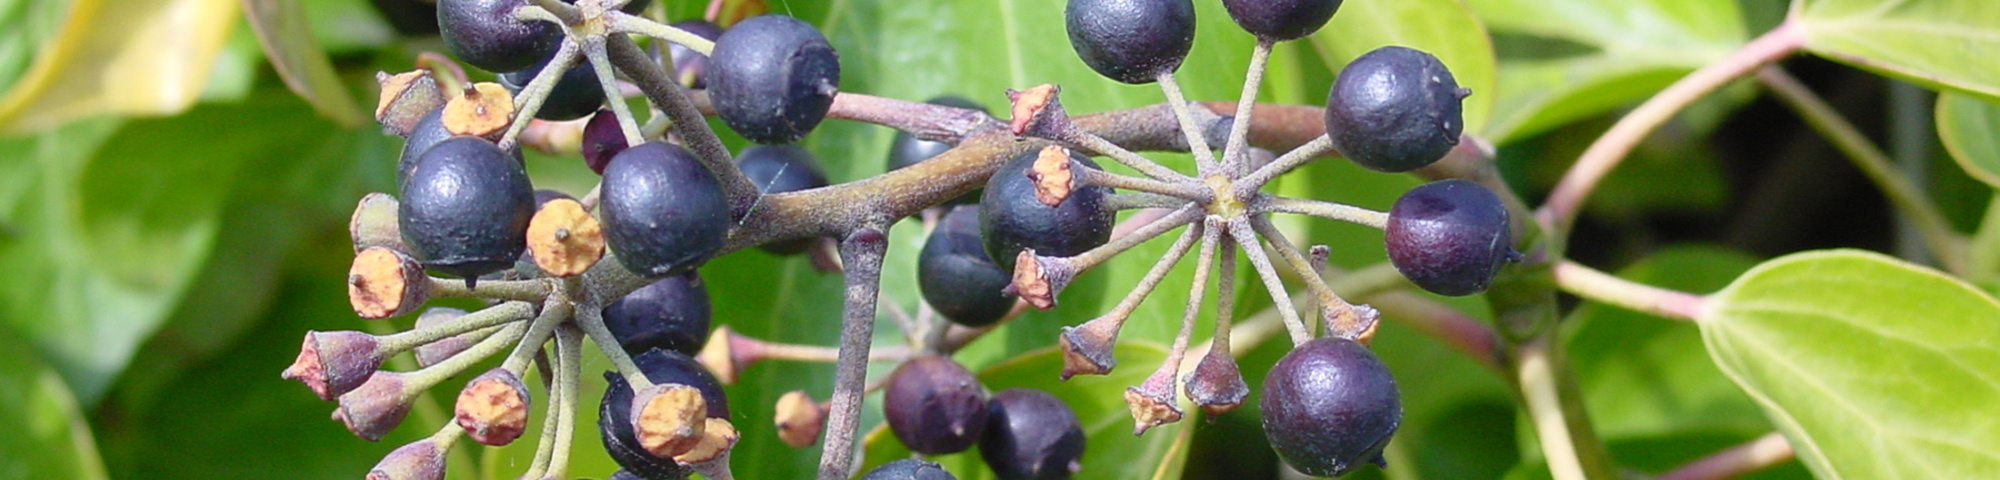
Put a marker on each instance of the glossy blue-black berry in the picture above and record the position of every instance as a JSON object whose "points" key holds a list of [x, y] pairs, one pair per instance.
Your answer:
{"points": [[909, 469], [1031, 435], [1395, 109], [1280, 20], [485, 34], [670, 314], [780, 169], [1131, 41], [663, 211], [659, 366], [465, 207], [1449, 237], [576, 94], [772, 78], [1329, 407], [1011, 218], [934, 405], [955, 275], [907, 149]]}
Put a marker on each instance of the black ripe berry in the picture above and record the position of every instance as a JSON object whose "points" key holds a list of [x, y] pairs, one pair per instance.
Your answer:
{"points": [[956, 276], [663, 212], [670, 314], [1010, 218], [780, 169], [1131, 41], [1449, 237], [660, 367], [485, 34], [1329, 406], [690, 65], [1280, 20], [576, 94], [909, 469], [934, 405], [1394, 109], [772, 78], [1031, 435], [603, 138], [465, 208], [428, 132]]}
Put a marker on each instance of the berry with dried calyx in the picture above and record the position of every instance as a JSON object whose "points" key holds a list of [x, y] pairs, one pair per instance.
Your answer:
{"points": [[1395, 109], [934, 405], [772, 78], [1330, 406], [955, 275], [602, 139], [615, 410], [1450, 237], [1131, 41], [1011, 218]]}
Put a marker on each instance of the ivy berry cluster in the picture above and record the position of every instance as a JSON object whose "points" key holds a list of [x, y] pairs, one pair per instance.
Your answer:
{"points": [[1032, 211]]}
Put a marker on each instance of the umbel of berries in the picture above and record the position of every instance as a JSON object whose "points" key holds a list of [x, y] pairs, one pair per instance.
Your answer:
{"points": [[955, 275], [780, 169], [1011, 218], [934, 405], [485, 33], [1280, 20], [1449, 237], [1395, 109], [663, 212], [1330, 406], [465, 208], [772, 78], [1131, 41]]}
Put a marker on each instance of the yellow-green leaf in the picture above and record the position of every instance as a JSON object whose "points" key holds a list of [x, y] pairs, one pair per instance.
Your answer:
{"points": [[1937, 43], [119, 58]]}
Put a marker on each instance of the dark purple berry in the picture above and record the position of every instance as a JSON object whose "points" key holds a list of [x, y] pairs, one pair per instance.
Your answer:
{"points": [[1131, 41], [772, 78], [908, 469], [1395, 109], [576, 94], [907, 149], [670, 314], [1449, 237], [485, 34], [780, 169], [1330, 406], [663, 212], [934, 405], [1280, 20], [603, 138], [689, 65], [955, 275], [1010, 218], [1031, 435], [465, 208], [660, 367]]}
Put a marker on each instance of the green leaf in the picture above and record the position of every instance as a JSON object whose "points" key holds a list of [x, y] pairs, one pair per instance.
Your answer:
{"points": [[1110, 451], [285, 32], [42, 431], [96, 62], [1444, 28], [1942, 44], [1565, 60], [1872, 367], [1968, 126]]}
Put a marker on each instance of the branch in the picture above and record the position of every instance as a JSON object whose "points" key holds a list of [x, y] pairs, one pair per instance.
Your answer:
{"points": [[1757, 454], [861, 252]]}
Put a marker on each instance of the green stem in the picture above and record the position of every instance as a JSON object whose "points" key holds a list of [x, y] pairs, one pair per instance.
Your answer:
{"points": [[1602, 287], [1944, 243]]}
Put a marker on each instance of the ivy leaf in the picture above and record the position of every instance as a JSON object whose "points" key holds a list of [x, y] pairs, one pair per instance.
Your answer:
{"points": [[1871, 366], [282, 27], [1966, 125], [119, 58], [1943, 44]]}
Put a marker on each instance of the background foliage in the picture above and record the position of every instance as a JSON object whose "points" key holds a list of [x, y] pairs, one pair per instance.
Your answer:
{"points": [[173, 216]]}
